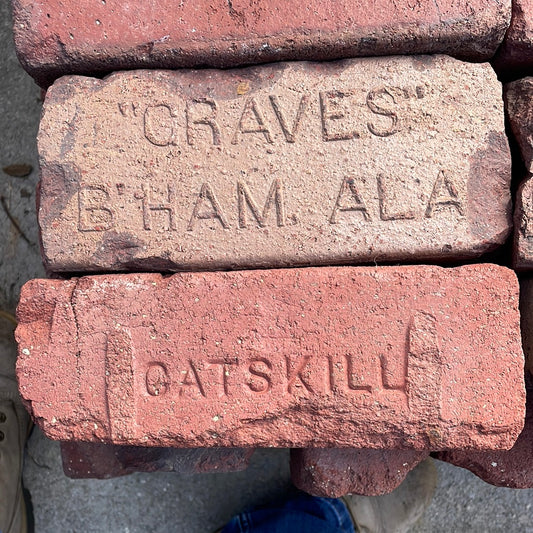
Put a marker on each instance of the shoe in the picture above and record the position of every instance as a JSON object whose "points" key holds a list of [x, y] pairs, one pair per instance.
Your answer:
{"points": [[398, 511], [15, 425]]}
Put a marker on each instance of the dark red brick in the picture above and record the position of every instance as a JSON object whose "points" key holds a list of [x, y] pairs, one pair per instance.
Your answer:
{"points": [[54, 37], [515, 57], [103, 461], [332, 473]]}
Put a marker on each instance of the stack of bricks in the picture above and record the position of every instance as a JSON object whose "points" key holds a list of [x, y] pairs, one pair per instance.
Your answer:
{"points": [[268, 188]]}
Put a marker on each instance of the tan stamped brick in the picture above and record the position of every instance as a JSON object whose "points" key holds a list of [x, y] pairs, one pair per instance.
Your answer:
{"points": [[369, 160]]}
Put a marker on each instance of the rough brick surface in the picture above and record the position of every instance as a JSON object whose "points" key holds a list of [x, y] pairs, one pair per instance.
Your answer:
{"points": [[54, 37], [104, 461], [377, 159], [523, 229], [526, 319], [332, 473], [512, 468], [415, 357], [516, 53], [518, 97]]}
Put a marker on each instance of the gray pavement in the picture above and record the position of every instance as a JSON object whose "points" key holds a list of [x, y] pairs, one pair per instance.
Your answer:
{"points": [[164, 501]]}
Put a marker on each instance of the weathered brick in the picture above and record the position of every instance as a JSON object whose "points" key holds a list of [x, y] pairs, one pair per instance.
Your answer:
{"points": [[416, 357], [104, 461], [523, 229], [54, 37], [519, 109], [526, 319], [334, 472], [378, 159], [518, 97], [512, 468], [515, 56]]}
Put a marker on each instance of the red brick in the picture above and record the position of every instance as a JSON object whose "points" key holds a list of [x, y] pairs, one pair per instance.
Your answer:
{"points": [[332, 473], [512, 468], [416, 357], [399, 161], [523, 229], [104, 461], [526, 319], [54, 37], [516, 53], [518, 98]]}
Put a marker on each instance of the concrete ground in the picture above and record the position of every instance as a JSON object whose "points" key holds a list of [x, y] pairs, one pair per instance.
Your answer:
{"points": [[163, 501]]}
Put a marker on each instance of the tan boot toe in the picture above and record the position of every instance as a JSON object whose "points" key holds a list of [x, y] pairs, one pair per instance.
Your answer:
{"points": [[401, 509]]}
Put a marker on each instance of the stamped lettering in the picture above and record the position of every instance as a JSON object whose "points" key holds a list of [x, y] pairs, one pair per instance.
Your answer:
{"points": [[157, 379], [166, 206], [94, 210], [376, 100], [391, 206], [252, 120], [260, 375], [274, 199], [349, 200], [289, 132], [159, 125], [202, 112], [207, 207], [445, 194], [334, 109], [343, 356], [356, 161]]}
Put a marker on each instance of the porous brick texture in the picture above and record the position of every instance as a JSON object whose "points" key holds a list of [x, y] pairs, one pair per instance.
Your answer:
{"points": [[523, 230], [103, 461], [515, 56], [416, 357], [526, 319], [512, 468], [519, 109], [54, 37], [332, 473], [376, 159]]}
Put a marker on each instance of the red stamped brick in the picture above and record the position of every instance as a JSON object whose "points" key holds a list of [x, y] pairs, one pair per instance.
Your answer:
{"points": [[104, 461], [516, 53], [518, 98], [379, 159], [334, 472], [416, 357], [54, 37]]}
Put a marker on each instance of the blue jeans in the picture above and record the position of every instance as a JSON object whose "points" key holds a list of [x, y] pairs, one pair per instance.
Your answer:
{"points": [[299, 514]]}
